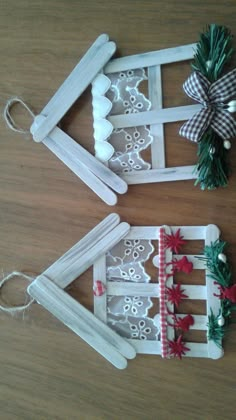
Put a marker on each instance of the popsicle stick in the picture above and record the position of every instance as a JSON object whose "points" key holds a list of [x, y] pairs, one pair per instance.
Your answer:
{"points": [[100, 302], [196, 350], [63, 271], [74, 86], [191, 233], [154, 347], [165, 115], [74, 263], [81, 321], [60, 143], [157, 130], [179, 173], [194, 292], [50, 107], [200, 321], [146, 346], [81, 170], [119, 288], [142, 232], [197, 264], [152, 232], [154, 58]]}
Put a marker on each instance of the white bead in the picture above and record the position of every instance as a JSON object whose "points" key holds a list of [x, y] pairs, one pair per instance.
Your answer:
{"points": [[232, 106], [221, 321], [212, 150], [222, 257], [208, 64], [227, 144]]}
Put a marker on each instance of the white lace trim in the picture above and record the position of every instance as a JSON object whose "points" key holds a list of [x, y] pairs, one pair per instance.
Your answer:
{"points": [[128, 315], [118, 93]]}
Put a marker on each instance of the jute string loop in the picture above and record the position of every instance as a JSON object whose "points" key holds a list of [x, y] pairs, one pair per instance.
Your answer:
{"points": [[13, 309], [9, 119]]}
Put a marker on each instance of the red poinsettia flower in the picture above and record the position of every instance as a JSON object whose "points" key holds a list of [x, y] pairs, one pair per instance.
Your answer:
{"points": [[174, 241], [177, 347], [175, 294]]}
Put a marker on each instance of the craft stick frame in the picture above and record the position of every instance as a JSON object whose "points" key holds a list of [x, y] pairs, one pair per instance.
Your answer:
{"points": [[208, 234], [47, 289], [157, 116], [44, 128]]}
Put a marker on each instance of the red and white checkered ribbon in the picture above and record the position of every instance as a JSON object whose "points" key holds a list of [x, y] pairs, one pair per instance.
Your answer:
{"points": [[214, 113], [162, 288]]}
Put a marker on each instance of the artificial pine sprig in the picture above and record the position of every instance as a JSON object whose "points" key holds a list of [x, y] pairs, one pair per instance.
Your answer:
{"points": [[215, 332], [220, 272], [213, 52], [212, 167]]}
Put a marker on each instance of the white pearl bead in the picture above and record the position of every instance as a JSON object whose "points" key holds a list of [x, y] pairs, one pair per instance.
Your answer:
{"points": [[222, 257], [227, 144], [212, 150], [208, 64], [221, 321], [232, 106]]}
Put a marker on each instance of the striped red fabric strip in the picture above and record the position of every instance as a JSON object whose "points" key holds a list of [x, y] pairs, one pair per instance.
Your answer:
{"points": [[162, 303]]}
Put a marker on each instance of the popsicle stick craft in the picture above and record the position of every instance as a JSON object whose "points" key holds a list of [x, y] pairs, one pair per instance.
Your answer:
{"points": [[127, 299], [126, 122], [138, 121], [127, 318], [104, 182]]}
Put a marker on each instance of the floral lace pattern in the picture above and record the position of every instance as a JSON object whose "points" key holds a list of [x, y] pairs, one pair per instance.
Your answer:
{"points": [[124, 93], [134, 327], [128, 315], [125, 98], [128, 143]]}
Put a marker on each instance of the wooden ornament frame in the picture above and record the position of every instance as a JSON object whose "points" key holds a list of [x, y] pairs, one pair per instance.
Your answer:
{"points": [[208, 234], [47, 289], [157, 116]]}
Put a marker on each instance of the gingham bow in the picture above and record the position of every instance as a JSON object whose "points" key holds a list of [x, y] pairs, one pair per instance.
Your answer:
{"points": [[214, 113]]}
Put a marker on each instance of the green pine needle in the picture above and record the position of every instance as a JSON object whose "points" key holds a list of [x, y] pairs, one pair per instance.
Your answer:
{"points": [[212, 167], [215, 332], [220, 272], [213, 52]]}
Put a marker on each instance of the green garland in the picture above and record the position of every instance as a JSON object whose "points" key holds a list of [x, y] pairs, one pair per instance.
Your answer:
{"points": [[219, 272], [214, 50]]}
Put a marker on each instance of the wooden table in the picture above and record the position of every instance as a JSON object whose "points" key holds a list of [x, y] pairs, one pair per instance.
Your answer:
{"points": [[46, 371]]}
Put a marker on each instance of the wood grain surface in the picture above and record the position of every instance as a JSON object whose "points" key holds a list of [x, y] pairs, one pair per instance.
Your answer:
{"points": [[46, 372]]}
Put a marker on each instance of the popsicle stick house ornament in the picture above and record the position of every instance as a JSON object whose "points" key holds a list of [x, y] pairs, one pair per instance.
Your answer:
{"points": [[121, 325], [126, 122]]}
